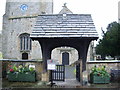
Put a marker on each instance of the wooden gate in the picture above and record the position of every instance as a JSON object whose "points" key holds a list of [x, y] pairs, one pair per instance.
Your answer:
{"points": [[59, 73]]}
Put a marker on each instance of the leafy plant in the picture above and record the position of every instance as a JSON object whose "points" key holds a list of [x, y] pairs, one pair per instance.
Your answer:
{"points": [[15, 68], [21, 69], [31, 69], [100, 71]]}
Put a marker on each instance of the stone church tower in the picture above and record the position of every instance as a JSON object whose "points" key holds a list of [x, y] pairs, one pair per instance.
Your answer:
{"points": [[18, 23]]}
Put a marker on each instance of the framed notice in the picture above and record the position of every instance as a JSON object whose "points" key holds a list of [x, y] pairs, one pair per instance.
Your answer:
{"points": [[51, 67]]}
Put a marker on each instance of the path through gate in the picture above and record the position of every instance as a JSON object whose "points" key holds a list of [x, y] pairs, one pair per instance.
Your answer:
{"points": [[59, 73]]}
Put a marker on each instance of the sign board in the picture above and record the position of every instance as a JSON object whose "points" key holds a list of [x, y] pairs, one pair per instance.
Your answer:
{"points": [[51, 64], [51, 67]]}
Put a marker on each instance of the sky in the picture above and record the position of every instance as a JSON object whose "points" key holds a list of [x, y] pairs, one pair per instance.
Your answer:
{"points": [[103, 11]]}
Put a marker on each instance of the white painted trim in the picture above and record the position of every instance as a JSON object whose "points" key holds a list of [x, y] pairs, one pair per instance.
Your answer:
{"points": [[105, 61]]}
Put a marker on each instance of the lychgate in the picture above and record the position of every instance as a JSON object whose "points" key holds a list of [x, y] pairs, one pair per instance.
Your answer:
{"points": [[71, 30]]}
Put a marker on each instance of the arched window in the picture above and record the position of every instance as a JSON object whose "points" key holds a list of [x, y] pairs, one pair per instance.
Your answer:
{"points": [[25, 42]]}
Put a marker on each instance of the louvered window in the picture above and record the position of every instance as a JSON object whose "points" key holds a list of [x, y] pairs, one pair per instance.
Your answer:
{"points": [[25, 42]]}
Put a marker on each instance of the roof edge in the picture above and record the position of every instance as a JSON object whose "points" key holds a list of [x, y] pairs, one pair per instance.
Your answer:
{"points": [[62, 14]]}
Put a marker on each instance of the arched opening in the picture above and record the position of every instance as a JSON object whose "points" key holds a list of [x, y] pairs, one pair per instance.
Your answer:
{"points": [[24, 56], [53, 49], [65, 55], [65, 58]]}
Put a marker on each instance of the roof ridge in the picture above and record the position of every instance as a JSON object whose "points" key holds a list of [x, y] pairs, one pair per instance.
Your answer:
{"points": [[60, 14]]}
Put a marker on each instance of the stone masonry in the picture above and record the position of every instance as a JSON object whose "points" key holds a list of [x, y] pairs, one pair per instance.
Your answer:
{"points": [[119, 11], [0, 42], [17, 21]]}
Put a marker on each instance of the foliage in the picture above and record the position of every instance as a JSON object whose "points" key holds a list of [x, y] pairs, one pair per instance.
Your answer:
{"points": [[20, 69], [100, 71], [31, 69], [110, 43]]}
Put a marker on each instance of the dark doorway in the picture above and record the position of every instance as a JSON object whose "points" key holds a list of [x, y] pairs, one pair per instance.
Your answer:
{"points": [[24, 56], [65, 58]]}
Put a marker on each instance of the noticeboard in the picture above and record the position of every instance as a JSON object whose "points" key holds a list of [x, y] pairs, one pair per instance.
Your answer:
{"points": [[51, 65]]}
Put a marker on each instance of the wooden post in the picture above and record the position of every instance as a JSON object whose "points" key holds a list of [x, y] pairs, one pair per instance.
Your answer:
{"points": [[81, 73]]}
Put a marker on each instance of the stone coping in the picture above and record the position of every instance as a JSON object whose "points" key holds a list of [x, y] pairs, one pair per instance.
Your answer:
{"points": [[15, 60], [104, 61], [19, 17]]}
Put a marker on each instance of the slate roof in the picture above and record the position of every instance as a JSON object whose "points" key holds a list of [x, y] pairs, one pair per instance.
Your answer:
{"points": [[64, 25]]}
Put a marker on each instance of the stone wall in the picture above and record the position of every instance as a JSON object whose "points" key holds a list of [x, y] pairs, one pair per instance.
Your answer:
{"points": [[91, 52], [119, 12], [109, 65], [0, 45], [0, 41], [44, 76], [0, 69], [11, 39], [33, 7], [0, 75]]}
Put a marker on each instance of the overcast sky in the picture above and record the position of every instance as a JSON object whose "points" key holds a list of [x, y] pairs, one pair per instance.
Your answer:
{"points": [[103, 11]]}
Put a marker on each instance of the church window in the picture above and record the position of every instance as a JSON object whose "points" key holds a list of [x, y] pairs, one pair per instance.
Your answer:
{"points": [[25, 42]]}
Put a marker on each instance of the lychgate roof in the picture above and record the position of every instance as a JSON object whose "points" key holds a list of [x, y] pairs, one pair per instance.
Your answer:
{"points": [[64, 25]]}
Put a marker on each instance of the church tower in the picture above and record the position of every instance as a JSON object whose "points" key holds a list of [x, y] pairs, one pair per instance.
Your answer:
{"points": [[18, 8], [18, 22]]}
